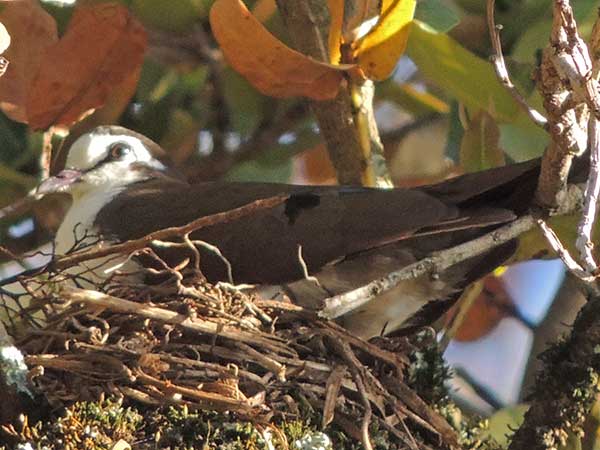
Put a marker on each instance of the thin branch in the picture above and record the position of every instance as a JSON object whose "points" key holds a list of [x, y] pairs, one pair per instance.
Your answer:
{"points": [[497, 60], [562, 80], [345, 122], [18, 207], [573, 266], [584, 230], [98, 300], [432, 265]]}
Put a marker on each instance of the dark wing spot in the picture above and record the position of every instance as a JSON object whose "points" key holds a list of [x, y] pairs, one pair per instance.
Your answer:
{"points": [[297, 202]]}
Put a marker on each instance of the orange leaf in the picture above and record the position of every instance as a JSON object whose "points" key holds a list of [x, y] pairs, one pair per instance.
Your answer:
{"points": [[492, 305], [336, 12], [313, 166], [263, 10], [266, 62], [102, 46], [379, 51], [32, 31]]}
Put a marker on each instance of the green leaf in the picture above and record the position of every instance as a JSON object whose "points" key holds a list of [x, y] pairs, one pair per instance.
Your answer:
{"points": [[177, 15], [245, 104], [437, 14], [455, 134], [504, 421], [470, 79], [521, 144], [533, 38], [255, 171], [417, 102], [479, 149]]}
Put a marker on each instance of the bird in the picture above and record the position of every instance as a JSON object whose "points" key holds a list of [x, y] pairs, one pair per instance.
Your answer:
{"points": [[318, 242]]}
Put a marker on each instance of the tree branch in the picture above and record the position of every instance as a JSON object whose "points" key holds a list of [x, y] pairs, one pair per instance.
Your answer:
{"points": [[347, 122], [430, 266], [566, 388]]}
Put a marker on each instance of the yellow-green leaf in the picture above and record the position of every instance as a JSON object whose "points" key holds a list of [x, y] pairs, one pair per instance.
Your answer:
{"points": [[479, 148], [411, 99], [172, 16], [470, 79], [378, 52]]}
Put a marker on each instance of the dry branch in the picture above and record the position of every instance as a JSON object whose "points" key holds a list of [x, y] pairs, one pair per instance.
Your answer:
{"points": [[347, 122], [430, 266], [502, 72]]}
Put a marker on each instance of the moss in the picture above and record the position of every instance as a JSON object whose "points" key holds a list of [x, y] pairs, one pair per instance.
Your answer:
{"points": [[570, 386], [428, 372], [99, 425], [428, 375]]}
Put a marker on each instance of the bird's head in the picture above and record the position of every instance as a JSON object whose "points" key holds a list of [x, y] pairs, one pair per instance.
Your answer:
{"points": [[108, 157]]}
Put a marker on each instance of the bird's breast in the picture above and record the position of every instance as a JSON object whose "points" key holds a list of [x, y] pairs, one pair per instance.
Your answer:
{"points": [[78, 231]]}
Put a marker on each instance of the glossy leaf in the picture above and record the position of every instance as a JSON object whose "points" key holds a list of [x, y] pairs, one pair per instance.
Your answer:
{"points": [[263, 10], [522, 143], [81, 70], [479, 148], [468, 78], [378, 52], [267, 63], [436, 14], [411, 99], [177, 15], [32, 31]]}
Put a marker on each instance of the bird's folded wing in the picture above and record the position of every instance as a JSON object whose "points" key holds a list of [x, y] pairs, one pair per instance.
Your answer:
{"points": [[328, 223]]}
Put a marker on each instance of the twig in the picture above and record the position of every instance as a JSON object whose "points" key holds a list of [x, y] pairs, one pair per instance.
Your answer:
{"points": [[18, 207], [355, 367], [564, 67], [46, 155], [207, 399], [573, 266], [307, 21], [97, 299], [334, 382], [584, 230], [497, 60]]}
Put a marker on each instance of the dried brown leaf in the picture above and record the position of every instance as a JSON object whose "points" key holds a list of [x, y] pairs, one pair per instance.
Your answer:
{"points": [[334, 382], [266, 62], [32, 31], [103, 45]]}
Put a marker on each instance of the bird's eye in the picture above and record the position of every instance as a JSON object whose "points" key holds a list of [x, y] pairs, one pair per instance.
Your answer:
{"points": [[119, 150]]}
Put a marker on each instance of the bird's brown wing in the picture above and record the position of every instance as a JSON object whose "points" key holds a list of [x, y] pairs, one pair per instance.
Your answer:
{"points": [[329, 223]]}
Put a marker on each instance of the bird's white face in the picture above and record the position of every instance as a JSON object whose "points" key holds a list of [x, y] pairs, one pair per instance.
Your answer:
{"points": [[101, 161]]}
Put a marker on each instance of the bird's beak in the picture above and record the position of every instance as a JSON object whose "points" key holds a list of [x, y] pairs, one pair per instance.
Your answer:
{"points": [[59, 182]]}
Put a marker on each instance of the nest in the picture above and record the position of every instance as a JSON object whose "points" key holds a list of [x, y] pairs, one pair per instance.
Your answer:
{"points": [[187, 342]]}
